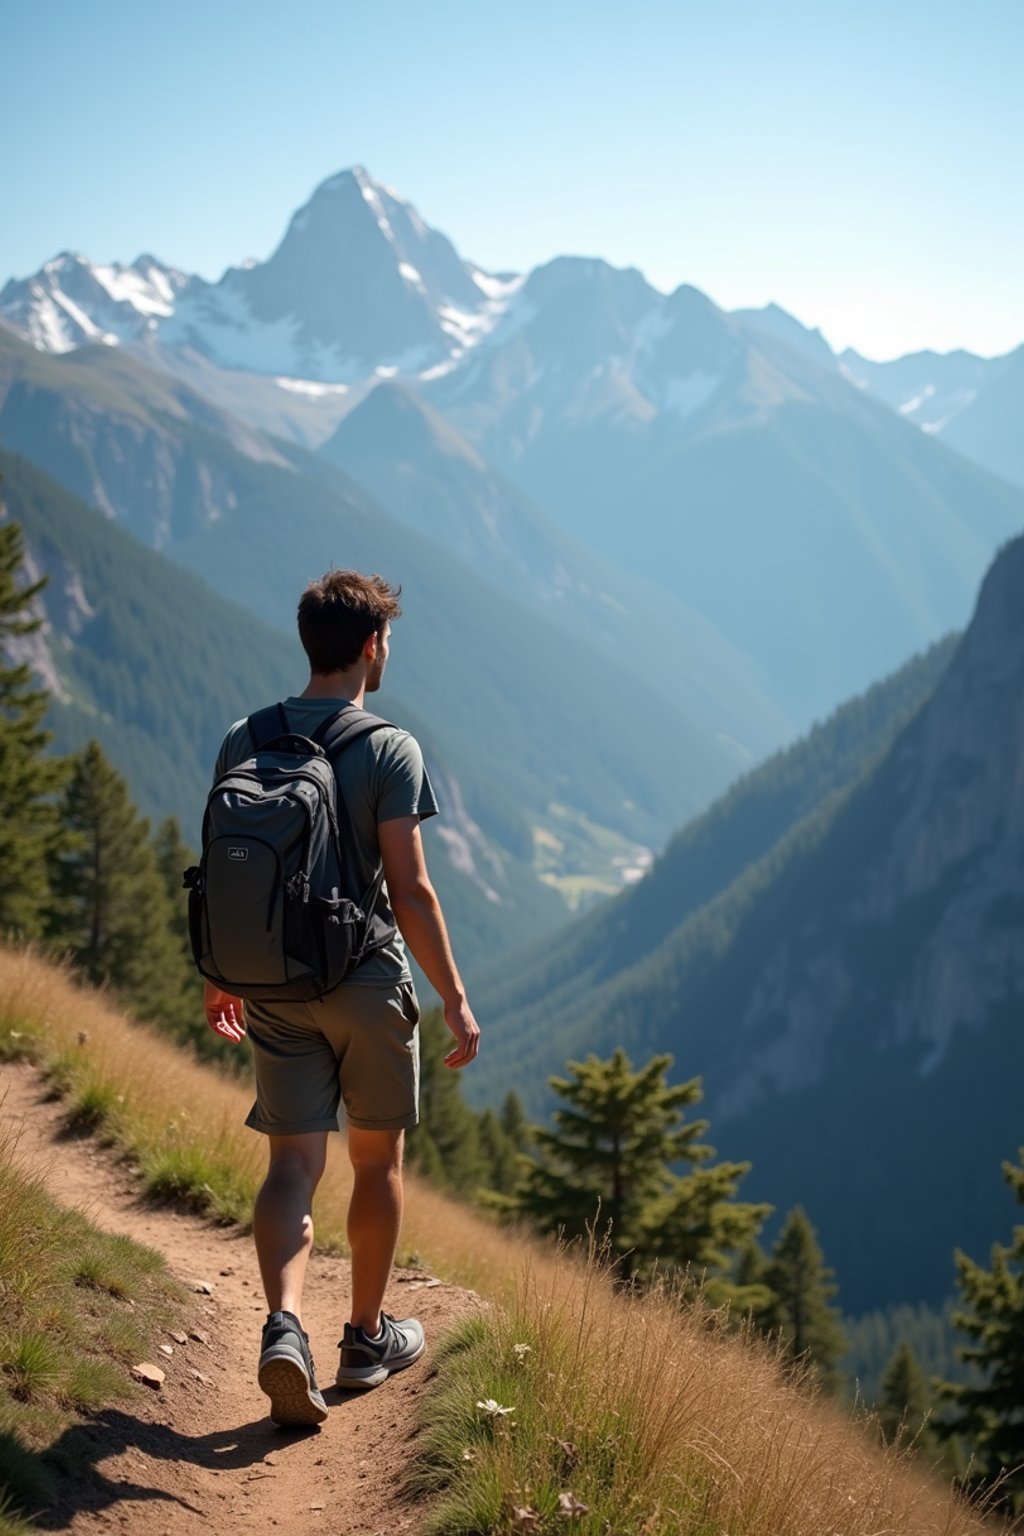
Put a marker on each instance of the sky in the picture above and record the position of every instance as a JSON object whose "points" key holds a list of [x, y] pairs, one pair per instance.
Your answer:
{"points": [[858, 164]]}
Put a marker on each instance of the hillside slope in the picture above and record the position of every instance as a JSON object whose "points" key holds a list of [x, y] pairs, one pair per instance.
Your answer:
{"points": [[854, 1000], [148, 659]]}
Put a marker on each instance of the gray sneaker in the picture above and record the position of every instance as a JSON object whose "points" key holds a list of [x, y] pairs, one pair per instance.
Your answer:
{"points": [[287, 1373], [366, 1362]]}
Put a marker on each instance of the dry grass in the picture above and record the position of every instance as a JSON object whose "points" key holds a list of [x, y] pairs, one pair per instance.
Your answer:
{"points": [[672, 1424]]}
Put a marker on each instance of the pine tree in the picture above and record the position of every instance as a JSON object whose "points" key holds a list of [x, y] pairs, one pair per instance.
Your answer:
{"points": [[110, 909], [29, 780], [904, 1404], [514, 1122], [699, 1225], [445, 1145], [609, 1159], [990, 1414], [801, 1288], [500, 1154]]}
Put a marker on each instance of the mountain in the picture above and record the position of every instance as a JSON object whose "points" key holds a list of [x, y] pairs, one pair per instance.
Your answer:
{"points": [[152, 662], [853, 998], [418, 466], [974, 404], [533, 716], [805, 520], [359, 284], [71, 301]]}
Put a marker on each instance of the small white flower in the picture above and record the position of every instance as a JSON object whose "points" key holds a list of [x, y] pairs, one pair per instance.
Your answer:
{"points": [[520, 1351], [495, 1410]]}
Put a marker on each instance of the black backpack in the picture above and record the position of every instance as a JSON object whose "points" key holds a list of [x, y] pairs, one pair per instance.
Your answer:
{"points": [[274, 909]]}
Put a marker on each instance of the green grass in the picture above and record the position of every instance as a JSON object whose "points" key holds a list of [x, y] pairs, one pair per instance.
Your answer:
{"points": [[80, 1308], [517, 1434], [197, 1179]]}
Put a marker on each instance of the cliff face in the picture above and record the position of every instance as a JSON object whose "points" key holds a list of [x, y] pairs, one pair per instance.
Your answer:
{"points": [[905, 926], [863, 1038]]}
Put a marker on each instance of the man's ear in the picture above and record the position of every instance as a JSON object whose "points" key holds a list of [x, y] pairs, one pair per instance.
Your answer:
{"points": [[371, 644]]}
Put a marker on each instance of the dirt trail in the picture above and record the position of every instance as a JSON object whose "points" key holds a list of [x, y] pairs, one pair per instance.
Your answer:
{"points": [[202, 1453]]}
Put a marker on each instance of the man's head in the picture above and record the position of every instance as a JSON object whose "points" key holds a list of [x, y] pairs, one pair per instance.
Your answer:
{"points": [[345, 616]]}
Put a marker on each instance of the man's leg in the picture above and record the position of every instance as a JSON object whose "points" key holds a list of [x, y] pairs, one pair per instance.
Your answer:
{"points": [[283, 1217], [374, 1218]]}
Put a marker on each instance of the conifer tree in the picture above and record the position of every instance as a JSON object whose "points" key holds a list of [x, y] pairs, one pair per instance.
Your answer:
{"points": [[989, 1414], [801, 1287], [608, 1160], [445, 1145], [700, 1225], [513, 1120], [904, 1402], [29, 780], [110, 907], [500, 1154]]}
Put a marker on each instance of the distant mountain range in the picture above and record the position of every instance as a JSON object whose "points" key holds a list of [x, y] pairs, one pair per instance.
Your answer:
{"points": [[837, 948], [770, 489]]}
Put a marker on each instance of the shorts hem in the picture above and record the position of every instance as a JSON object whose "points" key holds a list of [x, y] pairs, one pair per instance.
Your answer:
{"points": [[289, 1127], [395, 1123]]}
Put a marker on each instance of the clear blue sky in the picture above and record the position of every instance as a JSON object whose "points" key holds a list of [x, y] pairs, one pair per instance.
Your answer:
{"points": [[858, 163]]}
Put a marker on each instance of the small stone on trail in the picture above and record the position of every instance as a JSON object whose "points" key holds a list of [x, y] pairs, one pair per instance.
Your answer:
{"points": [[150, 1375], [201, 1336], [178, 1336], [199, 1376], [270, 1459], [166, 1349], [203, 1287], [315, 1507], [227, 1271]]}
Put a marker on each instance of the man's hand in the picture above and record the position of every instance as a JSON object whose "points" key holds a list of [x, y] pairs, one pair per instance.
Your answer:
{"points": [[459, 1018], [224, 1013]]}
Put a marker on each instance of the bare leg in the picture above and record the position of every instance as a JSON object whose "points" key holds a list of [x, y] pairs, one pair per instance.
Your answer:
{"points": [[374, 1218], [282, 1223]]}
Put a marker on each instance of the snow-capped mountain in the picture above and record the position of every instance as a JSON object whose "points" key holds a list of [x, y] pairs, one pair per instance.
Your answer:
{"points": [[358, 286], [71, 301]]}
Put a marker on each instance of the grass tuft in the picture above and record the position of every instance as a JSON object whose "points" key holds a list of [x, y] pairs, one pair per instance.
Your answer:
{"points": [[31, 1364]]}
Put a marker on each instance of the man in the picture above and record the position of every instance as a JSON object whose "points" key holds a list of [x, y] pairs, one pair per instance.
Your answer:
{"points": [[358, 1045]]}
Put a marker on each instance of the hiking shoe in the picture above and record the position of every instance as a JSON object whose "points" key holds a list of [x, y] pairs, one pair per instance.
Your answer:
{"points": [[287, 1374], [366, 1362]]}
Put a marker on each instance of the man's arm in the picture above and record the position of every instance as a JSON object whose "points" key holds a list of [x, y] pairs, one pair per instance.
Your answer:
{"points": [[419, 917]]}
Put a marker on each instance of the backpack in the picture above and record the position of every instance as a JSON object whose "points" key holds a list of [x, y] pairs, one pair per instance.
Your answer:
{"points": [[273, 908]]}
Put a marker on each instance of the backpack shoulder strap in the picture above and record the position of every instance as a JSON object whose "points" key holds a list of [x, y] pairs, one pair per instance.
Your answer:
{"points": [[342, 729], [267, 723]]}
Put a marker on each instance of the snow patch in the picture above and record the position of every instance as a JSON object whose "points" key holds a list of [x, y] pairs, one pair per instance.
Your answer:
{"points": [[411, 275], [910, 406], [311, 388], [128, 287]]}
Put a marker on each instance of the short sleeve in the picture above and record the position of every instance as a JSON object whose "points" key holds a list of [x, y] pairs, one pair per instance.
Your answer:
{"points": [[234, 749], [405, 788]]}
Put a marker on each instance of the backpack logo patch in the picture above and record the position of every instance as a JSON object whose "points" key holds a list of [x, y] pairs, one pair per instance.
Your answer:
{"points": [[238, 855]]}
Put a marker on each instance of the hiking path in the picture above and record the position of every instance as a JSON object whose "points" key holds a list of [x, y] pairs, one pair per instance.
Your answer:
{"points": [[200, 1452]]}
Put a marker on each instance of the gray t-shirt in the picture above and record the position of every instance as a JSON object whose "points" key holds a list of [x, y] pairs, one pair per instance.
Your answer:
{"points": [[380, 777]]}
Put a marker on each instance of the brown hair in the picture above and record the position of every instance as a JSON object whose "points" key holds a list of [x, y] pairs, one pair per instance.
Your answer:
{"points": [[339, 613]]}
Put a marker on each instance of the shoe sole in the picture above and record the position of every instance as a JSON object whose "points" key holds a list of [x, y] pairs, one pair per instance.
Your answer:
{"points": [[285, 1382], [373, 1375]]}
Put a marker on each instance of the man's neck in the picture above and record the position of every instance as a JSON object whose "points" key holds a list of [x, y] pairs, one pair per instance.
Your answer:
{"points": [[349, 685]]}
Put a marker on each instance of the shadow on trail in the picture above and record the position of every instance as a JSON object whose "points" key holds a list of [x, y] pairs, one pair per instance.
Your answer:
{"points": [[55, 1485]]}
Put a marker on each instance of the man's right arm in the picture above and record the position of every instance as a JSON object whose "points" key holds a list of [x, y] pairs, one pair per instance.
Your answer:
{"points": [[421, 922]]}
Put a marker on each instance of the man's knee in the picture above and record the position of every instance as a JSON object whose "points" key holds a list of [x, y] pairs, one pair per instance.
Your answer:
{"points": [[375, 1151], [300, 1157]]}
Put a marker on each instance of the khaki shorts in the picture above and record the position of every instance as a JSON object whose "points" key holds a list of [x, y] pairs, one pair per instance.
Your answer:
{"points": [[358, 1047]]}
